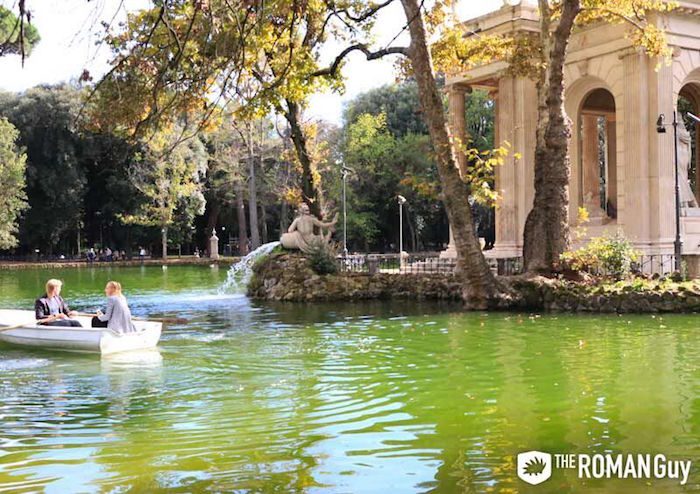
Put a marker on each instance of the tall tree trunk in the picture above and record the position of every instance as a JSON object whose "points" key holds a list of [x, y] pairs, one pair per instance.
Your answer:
{"points": [[252, 193], [546, 234], [213, 219], [310, 188], [263, 212], [263, 224], [129, 251], [164, 242], [411, 229], [481, 289], [242, 225], [284, 217]]}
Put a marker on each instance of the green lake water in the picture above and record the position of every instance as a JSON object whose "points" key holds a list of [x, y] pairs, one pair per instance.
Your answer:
{"points": [[368, 397]]}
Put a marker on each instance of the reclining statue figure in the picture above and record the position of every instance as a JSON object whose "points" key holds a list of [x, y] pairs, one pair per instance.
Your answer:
{"points": [[300, 235]]}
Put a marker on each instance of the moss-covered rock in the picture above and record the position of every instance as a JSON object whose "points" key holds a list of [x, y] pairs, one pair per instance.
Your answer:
{"points": [[633, 295], [288, 276]]}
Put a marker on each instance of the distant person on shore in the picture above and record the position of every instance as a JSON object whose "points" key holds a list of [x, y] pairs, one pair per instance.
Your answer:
{"points": [[91, 255], [117, 316], [108, 254], [51, 309], [142, 254]]}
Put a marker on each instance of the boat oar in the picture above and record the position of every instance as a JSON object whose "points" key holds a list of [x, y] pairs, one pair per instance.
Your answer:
{"points": [[17, 326], [28, 323], [164, 320]]}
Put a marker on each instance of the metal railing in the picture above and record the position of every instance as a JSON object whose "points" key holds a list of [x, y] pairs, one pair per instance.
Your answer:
{"points": [[417, 263], [414, 263], [654, 264], [432, 263], [506, 266]]}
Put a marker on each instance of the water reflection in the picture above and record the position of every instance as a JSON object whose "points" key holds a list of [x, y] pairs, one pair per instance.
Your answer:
{"points": [[343, 398]]}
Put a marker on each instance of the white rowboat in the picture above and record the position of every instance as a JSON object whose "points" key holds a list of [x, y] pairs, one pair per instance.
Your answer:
{"points": [[85, 339]]}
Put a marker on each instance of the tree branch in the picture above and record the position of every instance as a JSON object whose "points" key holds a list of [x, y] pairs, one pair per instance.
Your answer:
{"points": [[619, 15], [362, 16], [332, 69]]}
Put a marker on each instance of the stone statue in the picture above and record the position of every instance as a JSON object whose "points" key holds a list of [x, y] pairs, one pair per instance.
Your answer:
{"points": [[688, 199], [301, 236], [592, 204]]}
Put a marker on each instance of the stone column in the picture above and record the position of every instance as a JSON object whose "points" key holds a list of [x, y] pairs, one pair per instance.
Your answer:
{"points": [[458, 123], [213, 246], [635, 115], [611, 125], [662, 197], [516, 121], [697, 158], [458, 130]]}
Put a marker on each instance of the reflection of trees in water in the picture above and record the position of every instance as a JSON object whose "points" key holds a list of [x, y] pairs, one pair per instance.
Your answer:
{"points": [[454, 408], [231, 418], [330, 312], [433, 403], [40, 407]]}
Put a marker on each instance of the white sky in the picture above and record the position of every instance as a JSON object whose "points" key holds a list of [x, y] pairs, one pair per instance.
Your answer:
{"points": [[69, 30]]}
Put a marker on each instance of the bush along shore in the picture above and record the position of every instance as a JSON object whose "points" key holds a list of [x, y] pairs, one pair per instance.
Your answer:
{"points": [[285, 276]]}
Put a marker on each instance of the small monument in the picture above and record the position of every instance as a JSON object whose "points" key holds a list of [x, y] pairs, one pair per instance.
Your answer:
{"points": [[301, 236], [214, 246]]}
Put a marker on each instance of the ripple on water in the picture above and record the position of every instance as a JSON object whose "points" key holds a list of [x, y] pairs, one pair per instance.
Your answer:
{"points": [[22, 363], [304, 398]]}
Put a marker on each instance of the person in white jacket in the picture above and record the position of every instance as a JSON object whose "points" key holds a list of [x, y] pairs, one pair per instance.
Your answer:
{"points": [[117, 316]]}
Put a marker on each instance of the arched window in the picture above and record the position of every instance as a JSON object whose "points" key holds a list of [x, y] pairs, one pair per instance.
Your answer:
{"points": [[597, 137]]}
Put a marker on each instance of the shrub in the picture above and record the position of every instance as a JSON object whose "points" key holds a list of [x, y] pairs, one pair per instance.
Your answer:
{"points": [[610, 255], [322, 258]]}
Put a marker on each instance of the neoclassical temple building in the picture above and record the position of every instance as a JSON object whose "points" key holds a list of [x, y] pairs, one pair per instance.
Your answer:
{"points": [[622, 169]]}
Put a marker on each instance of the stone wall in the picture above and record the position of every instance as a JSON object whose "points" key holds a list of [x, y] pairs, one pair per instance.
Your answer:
{"points": [[288, 277], [634, 296]]}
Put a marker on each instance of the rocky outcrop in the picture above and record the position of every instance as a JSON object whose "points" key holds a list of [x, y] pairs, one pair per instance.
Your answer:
{"points": [[630, 296], [288, 277]]}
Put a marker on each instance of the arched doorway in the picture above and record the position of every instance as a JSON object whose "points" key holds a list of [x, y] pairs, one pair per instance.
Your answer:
{"points": [[689, 101], [598, 156]]}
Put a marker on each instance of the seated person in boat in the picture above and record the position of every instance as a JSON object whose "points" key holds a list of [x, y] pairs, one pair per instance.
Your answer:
{"points": [[51, 309], [117, 316]]}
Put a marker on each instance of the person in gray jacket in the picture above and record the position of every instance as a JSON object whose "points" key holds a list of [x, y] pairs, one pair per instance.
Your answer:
{"points": [[117, 316]]}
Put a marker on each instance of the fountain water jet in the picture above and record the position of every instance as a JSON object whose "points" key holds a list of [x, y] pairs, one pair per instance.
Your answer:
{"points": [[240, 273]]}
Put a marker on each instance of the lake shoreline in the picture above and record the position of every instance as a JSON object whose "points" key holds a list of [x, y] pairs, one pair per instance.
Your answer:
{"points": [[172, 261], [288, 277]]}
